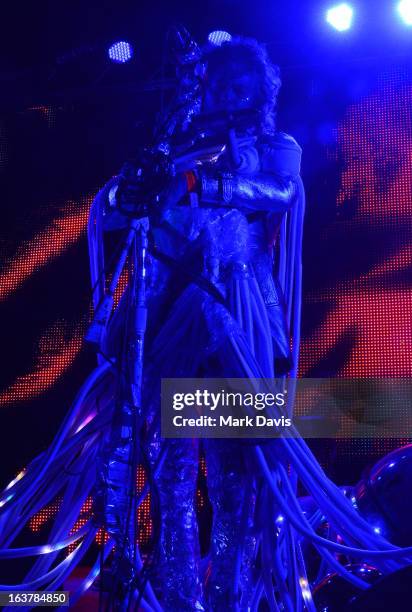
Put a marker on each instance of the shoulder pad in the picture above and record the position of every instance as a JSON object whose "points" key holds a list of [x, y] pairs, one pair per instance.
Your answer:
{"points": [[278, 139], [280, 153]]}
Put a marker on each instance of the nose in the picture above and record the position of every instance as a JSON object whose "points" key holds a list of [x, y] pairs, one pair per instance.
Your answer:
{"points": [[229, 98]]}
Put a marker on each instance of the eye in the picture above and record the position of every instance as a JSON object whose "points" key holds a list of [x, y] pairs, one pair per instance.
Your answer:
{"points": [[242, 94], [241, 90]]}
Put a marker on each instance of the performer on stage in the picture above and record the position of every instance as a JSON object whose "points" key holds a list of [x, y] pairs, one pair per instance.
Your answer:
{"points": [[217, 271], [220, 219]]}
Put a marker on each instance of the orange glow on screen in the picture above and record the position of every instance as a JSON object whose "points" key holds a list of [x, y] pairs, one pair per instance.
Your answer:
{"points": [[372, 310], [56, 355], [45, 246], [144, 519]]}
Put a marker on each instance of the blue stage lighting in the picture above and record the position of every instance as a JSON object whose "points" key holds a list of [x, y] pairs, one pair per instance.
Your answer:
{"points": [[120, 52], [217, 37], [405, 11], [340, 16]]}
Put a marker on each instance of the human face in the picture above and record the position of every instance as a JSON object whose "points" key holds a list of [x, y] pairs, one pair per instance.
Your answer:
{"points": [[231, 87]]}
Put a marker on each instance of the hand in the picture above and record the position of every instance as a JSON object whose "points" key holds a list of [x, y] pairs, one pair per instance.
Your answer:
{"points": [[141, 181], [174, 192], [132, 199], [233, 150]]}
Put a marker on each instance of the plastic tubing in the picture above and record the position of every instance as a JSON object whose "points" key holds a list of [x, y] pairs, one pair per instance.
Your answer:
{"points": [[348, 550], [30, 551], [66, 426], [30, 586]]}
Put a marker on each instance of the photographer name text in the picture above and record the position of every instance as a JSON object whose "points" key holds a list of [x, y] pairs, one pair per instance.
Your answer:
{"points": [[258, 420]]}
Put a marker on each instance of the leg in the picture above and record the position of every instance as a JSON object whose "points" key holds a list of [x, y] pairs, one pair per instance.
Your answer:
{"points": [[232, 499], [177, 576]]}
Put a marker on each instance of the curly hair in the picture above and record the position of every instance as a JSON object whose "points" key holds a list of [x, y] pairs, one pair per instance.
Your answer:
{"points": [[253, 55]]}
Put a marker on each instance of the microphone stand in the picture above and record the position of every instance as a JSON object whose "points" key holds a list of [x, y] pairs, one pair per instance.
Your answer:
{"points": [[121, 457], [118, 501]]}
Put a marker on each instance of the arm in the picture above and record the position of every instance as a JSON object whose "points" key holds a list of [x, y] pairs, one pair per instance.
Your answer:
{"points": [[266, 183], [260, 191], [272, 189]]}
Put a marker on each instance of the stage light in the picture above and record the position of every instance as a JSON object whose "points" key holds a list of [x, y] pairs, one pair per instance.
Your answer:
{"points": [[217, 37], [340, 17], [405, 11], [120, 52], [4, 501]]}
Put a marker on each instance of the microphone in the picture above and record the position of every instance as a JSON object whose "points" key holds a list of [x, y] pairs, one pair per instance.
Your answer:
{"points": [[226, 120], [182, 47]]}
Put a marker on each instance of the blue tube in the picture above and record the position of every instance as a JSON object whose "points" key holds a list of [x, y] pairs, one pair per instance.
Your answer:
{"points": [[356, 552], [30, 551], [64, 430]]}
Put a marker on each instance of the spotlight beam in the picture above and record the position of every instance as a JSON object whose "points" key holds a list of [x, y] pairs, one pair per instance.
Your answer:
{"points": [[340, 16], [404, 9]]}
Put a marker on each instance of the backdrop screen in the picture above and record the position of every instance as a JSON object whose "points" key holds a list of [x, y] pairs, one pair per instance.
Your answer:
{"points": [[357, 309]]}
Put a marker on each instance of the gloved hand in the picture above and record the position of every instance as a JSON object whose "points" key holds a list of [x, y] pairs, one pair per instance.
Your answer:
{"points": [[174, 192], [141, 183]]}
